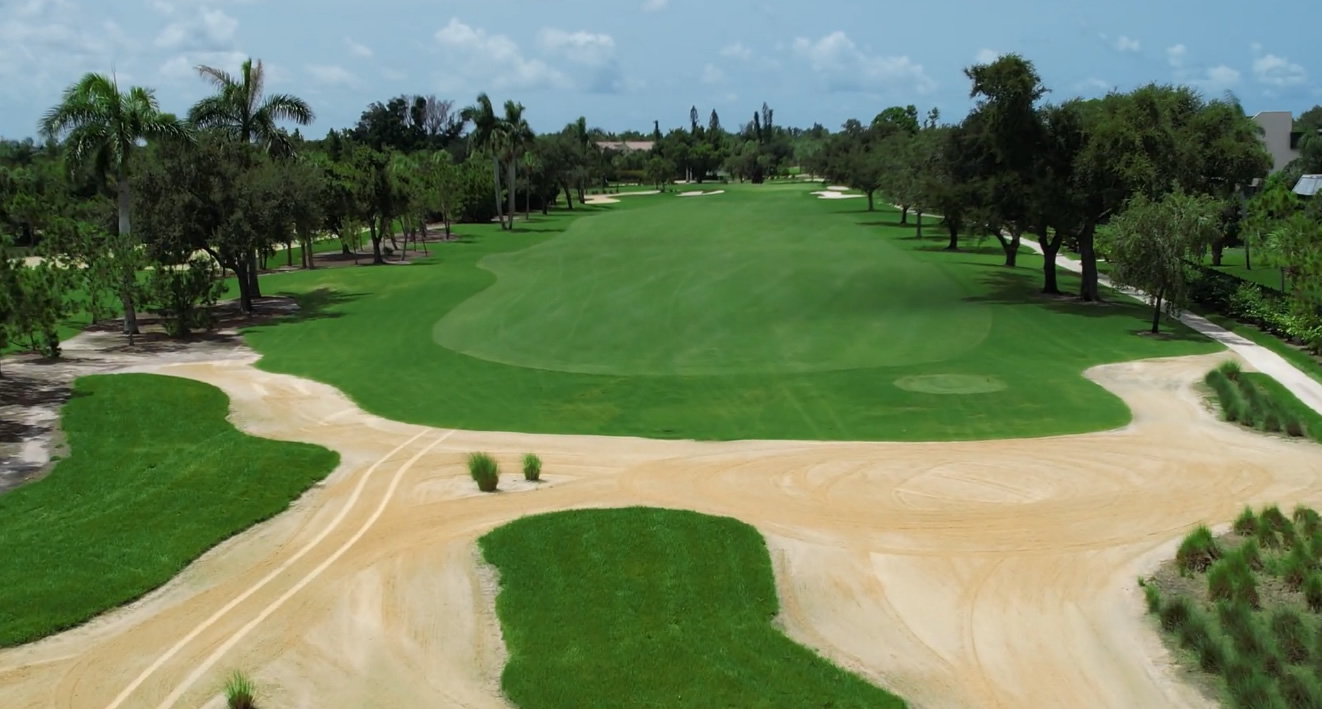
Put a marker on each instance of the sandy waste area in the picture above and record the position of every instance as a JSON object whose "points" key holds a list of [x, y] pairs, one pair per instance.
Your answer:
{"points": [[977, 574]]}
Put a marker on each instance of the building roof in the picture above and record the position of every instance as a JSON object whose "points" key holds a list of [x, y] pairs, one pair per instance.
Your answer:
{"points": [[627, 146], [1308, 185]]}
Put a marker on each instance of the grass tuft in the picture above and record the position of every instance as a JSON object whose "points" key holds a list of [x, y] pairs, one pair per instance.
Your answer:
{"points": [[1313, 591], [1230, 369], [1246, 524], [532, 467], [239, 692], [1175, 613], [1298, 690], [1152, 596], [1198, 550], [1291, 634], [484, 471]]}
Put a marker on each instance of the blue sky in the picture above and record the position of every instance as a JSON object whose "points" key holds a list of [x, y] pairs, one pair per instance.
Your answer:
{"points": [[623, 63]]}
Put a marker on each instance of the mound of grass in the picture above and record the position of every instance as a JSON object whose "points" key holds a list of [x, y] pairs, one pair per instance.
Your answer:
{"points": [[156, 477], [642, 607], [484, 470], [1252, 622], [1257, 401], [239, 692], [757, 314], [532, 467]]}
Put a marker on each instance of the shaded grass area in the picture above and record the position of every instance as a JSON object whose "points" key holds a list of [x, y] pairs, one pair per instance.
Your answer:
{"points": [[1258, 401], [642, 607], [1242, 610], [156, 477], [1232, 262], [885, 300]]}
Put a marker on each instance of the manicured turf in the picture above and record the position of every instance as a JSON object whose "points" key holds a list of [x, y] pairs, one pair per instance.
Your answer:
{"points": [[1232, 262], [760, 313], [156, 476], [644, 607]]}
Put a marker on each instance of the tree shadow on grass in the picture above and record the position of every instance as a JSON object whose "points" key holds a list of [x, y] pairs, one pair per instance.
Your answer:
{"points": [[319, 304], [1003, 286]]}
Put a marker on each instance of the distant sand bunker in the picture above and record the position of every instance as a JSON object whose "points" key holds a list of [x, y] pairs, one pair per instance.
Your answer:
{"points": [[829, 194], [700, 193], [950, 384]]}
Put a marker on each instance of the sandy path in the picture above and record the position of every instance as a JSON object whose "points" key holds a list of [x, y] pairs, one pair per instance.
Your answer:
{"points": [[987, 574]]}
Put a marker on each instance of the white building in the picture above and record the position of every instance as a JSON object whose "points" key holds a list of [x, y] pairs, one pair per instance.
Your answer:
{"points": [[1280, 137]]}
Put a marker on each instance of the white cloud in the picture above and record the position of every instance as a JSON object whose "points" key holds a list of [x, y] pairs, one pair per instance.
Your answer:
{"points": [[738, 51], [986, 56], [183, 67], [1220, 78], [654, 5], [1176, 55], [208, 30], [581, 47], [393, 74], [1093, 84], [477, 59], [712, 74], [356, 49], [1278, 71], [1126, 44], [44, 44], [845, 67], [332, 75]]}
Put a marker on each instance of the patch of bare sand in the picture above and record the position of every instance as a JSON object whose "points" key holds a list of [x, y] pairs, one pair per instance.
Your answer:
{"points": [[974, 574]]}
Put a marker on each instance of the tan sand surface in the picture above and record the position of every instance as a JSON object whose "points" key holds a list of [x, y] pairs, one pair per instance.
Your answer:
{"points": [[976, 574]]}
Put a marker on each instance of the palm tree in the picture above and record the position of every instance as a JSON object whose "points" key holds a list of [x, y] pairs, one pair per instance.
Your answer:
{"points": [[241, 108], [486, 132], [517, 136], [101, 126]]}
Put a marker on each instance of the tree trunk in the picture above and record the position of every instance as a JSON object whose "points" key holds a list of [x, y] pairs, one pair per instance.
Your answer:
{"points": [[1156, 314], [569, 197], [904, 214], [423, 222], [376, 244], [1088, 288], [1050, 247], [1248, 260], [582, 198], [495, 178], [126, 288], [1010, 246], [344, 247], [252, 269], [1218, 249], [514, 193], [919, 214], [953, 228], [527, 201], [289, 254], [869, 200]]}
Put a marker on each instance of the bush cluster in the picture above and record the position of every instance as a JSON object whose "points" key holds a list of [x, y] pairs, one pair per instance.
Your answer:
{"points": [[1266, 648], [1256, 304], [1244, 401]]}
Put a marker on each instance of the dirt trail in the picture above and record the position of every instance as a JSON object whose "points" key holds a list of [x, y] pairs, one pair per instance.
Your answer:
{"points": [[978, 574]]}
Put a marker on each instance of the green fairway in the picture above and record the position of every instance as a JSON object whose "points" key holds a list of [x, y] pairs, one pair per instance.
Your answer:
{"points": [[759, 313], [644, 607], [156, 477]]}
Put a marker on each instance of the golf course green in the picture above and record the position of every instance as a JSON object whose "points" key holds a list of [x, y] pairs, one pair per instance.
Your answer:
{"points": [[643, 607], [762, 312]]}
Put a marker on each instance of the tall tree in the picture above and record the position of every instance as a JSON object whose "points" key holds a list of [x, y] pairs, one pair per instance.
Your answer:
{"points": [[516, 136], [1152, 242], [693, 120], [101, 126], [714, 123], [241, 108], [485, 136]]}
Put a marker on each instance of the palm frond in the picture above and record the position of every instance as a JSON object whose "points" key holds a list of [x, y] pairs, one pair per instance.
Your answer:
{"points": [[218, 77], [254, 84], [287, 107]]}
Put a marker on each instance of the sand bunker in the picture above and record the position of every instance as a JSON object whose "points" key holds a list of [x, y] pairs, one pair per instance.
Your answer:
{"points": [[992, 573], [700, 193], [614, 198], [838, 188], [831, 194]]}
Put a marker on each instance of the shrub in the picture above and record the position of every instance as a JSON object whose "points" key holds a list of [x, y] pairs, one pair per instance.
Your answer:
{"points": [[1295, 567], [1195, 631], [239, 692], [1291, 635], [1230, 369], [1268, 538], [1246, 524], [1152, 595], [1221, 581], [1299, 691], [1197, 551], [1249, 688], [1212, 653], [1271, 421], [1237, 619], [1307, 519], [1294, 427], [485, 471], [1275, 519], [1313, 591], [1249, 553], [1175, 613], [532, 467]]}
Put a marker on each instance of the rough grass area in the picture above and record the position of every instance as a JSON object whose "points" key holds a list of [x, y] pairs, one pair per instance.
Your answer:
{"points": [[760, 313], [1257, 401], [643, 607], [1241, 611], [156, 477]]}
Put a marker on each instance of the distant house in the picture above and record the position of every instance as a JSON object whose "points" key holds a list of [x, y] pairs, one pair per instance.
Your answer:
{"points": [[625, 146], [1279, 136]]}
